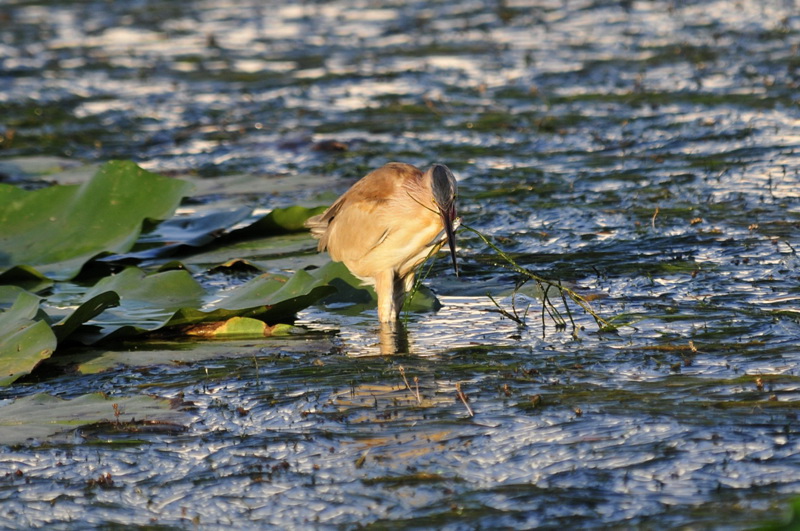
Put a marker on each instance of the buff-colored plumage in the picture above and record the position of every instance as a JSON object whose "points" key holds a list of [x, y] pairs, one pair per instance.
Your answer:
{"points": [[386, 225]]}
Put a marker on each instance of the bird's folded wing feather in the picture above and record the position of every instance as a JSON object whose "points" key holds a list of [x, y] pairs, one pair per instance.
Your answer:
{"points": [[356, 230]]}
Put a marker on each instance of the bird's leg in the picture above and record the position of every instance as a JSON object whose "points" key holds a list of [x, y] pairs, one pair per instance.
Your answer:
{"points": [[408, 282], [399, 293], [385, 289], [402, 287]]}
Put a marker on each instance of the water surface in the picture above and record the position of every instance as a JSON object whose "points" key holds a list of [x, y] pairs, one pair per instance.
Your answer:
{"points": [[643, 152]]}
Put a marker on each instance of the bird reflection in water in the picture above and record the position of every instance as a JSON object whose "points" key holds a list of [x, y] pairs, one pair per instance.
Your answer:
{"points": [[393, 339]]}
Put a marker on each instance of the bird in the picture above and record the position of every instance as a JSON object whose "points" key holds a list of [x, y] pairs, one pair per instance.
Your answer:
{"points": [[387, 224]]}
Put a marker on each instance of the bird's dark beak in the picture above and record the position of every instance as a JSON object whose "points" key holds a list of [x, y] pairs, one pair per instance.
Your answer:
{"points": [[448, 219]]}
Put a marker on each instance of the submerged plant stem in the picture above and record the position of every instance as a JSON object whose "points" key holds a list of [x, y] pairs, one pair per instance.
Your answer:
{"points": [[546, 285], [464, 399], [405, 380]]}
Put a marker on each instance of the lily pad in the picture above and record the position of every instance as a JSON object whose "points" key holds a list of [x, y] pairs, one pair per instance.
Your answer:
{"points": [[146, 302], [167, 290], [149, 302], [26, 278], [24, 340], [184, 233], [351, 289], [57, 230], [41, 416], [85, 312], [179, 351], [254, 185], [9, 294], [213, 231], [237, 327], [278, 221], [271, 298], [274, 253]]}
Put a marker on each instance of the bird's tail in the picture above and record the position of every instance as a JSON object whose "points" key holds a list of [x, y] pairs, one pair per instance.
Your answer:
{"points": [[316, 225]]}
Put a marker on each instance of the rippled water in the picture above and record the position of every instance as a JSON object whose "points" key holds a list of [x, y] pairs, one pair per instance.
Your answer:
{"points": [[645, 152]]}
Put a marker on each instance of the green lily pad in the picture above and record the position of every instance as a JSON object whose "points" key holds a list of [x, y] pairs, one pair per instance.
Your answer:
{"points": [[238, 328], [278, 221], [274, 253], [269, 290], [169, 299], [179, 351], [271, 298], [166, 290], [24, 341], [210, 229], [350, 289], [185, 232], [146, 302], [85, 312], [57, 230], [9, 294], [26, 278], [42, 416], [251, 185]]}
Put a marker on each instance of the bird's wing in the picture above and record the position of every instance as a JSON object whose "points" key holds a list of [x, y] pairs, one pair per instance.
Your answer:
{"points": [[354, 222], [356, 229]]}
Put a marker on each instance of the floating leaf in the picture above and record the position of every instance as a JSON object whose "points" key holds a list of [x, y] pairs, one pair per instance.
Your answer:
{"points": [[179, 351], [37, 168], [350, 288], [146, 302], [285, 252], [58, 229], [236, 327], [9, 294], [174, 299], [188, 230], [237, 265], [272, 236], [41, 416], [211, 229], [249, 184], [24, 341], [198, 227], [167, 290], [271, 298], [25, 277], [279, 221], [85, 312]]}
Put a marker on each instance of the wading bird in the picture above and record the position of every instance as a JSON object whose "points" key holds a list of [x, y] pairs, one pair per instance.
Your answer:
{"points": [[386, 225]]}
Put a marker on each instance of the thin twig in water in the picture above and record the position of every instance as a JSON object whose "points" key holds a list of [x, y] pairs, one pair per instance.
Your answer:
{"points": [[545, 285], [569, 312], [514, 317], [514, 302], [548, 308], [403, 374], [463, 398]]}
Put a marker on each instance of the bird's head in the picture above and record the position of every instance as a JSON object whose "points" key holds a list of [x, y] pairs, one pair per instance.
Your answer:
{"points": [[443, 185]]}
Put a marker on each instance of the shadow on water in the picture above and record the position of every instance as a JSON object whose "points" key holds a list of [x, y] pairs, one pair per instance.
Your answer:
{"points": [[645, 153]]}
